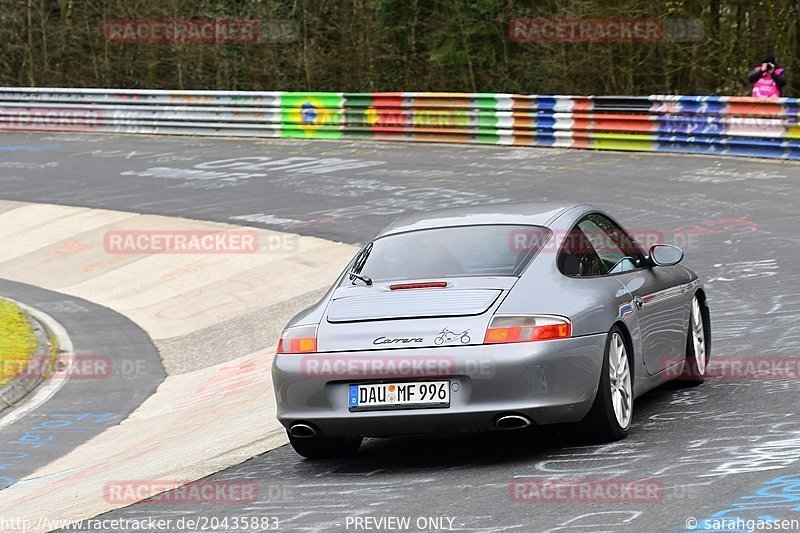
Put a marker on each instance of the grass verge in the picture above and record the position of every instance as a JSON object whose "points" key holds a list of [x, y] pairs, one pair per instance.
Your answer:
{"points": [[17, 341]]}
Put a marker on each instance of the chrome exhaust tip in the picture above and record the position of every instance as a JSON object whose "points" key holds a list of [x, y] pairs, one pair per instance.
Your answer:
{"points": [[512, 422], [302, 431]]}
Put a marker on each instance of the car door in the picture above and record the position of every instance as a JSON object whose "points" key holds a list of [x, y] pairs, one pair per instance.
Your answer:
{"points": [[656, 291]]}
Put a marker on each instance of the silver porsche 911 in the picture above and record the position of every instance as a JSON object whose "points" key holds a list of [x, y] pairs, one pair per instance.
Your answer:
{"points": [[496, 317]]}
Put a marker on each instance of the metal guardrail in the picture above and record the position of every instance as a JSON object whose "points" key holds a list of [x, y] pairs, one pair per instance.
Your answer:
{"points": [[688, 124]]}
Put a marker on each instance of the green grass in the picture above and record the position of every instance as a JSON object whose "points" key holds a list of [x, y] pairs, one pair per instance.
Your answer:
{"points": [[17, 341]]}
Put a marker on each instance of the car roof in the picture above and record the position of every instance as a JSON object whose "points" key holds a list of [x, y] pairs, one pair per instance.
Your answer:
{"points": [[522, 213]]}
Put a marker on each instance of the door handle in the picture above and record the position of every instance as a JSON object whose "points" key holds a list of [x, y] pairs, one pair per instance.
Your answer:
{"points": [[639, 302]]}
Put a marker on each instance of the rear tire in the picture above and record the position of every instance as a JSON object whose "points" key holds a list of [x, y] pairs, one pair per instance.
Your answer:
{"points": [[696, 365], [325, 447], [612, 411]]}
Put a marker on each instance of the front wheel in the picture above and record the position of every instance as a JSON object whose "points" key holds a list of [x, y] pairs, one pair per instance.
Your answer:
{"points": [[325, 447], [612, 411]]}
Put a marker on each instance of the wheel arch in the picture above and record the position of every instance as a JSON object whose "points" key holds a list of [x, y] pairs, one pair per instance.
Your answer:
{"points": [[628, 340]]}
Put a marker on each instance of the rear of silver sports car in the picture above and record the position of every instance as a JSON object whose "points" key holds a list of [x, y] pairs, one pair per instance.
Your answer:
{"points": [[432, 353]]}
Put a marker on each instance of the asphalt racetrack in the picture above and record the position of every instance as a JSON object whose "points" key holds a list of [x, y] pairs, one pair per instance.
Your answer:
{"points": [[82, 405], [728, 448]]}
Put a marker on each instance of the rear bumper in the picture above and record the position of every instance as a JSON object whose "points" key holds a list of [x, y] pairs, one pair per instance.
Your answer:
{"points": [[547, 381]]}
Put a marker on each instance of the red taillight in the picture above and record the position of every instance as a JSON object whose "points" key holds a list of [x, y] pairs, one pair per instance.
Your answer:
{"points": [[300, 339], [427, 285], [526, 329]]}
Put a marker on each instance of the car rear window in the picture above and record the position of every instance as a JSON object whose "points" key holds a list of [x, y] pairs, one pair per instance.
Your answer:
{"points": [[486, 250]]}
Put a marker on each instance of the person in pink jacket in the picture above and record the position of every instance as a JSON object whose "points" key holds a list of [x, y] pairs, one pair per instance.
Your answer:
{"points": [[768, 79]]}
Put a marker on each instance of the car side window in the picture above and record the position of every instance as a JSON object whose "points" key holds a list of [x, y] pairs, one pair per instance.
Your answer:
{"points": [[596, 246], [578, 257]]}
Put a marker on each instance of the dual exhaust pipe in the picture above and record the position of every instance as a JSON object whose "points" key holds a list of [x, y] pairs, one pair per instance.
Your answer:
{"points": [[508, 421]]}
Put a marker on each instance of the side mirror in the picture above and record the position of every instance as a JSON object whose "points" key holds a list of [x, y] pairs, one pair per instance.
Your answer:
{"points": [[665, 255]]}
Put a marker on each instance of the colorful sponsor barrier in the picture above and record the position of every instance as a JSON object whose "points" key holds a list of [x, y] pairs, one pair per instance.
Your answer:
{"points": [[721, 125]]}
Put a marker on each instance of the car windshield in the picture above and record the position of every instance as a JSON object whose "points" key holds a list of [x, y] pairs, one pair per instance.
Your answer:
{"points": [[487, 250]]}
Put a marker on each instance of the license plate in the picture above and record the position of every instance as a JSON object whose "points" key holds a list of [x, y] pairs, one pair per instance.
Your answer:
{"points": [[399, 395]]}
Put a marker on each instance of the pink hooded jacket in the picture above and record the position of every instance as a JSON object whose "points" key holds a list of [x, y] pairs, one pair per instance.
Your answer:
{"points": [[765, 86]]}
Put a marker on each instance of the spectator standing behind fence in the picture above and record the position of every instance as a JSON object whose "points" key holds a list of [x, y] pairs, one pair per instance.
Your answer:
{"points": [[768, 78]]}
